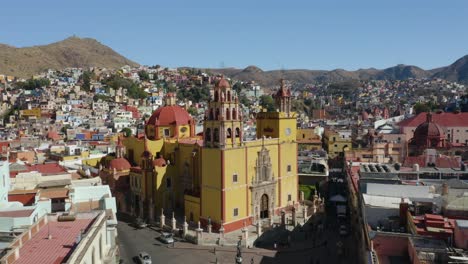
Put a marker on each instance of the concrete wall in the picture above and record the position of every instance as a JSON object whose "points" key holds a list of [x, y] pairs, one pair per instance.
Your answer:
{"points": [[95, 246]]}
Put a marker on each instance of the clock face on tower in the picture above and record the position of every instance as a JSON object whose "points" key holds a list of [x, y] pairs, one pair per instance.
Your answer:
{"points": [[287, 131]]}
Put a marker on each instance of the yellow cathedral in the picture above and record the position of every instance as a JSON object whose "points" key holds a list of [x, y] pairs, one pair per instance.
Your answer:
{"points": [[216, 175]]}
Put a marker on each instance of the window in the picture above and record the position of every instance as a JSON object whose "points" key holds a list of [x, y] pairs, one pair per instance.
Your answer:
{"points": [[289, 168], [234, 177], [168, 182], [166, 132], [336, 145], [236, 211], [289, 198]]}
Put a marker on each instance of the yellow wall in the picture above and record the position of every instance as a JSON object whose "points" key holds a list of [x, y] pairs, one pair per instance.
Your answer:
{"points": [[235, 192], [91, 162], [211, 184], [138, 146], [192, 205], [31, 112], [275, 124]]}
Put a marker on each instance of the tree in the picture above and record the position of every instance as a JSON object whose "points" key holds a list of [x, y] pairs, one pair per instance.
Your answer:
{"points": [[32, 84], [192, 111], [86, 78], [266, 101], [144, 76], [421, 107], [126, 131]]}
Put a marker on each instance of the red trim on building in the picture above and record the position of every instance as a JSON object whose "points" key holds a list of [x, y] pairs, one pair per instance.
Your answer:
{"points": [[223, 213], [201, 182], [236, 225], [246, 182], [279, 175], [297, 176]]}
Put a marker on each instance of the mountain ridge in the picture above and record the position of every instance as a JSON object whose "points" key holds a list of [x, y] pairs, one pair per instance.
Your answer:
{"points": [[70, 52]]}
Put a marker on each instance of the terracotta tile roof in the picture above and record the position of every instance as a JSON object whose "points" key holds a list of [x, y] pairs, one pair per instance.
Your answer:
{"points": [[48, 168], [443, 119], [26, 199], [42, 250], [17, 213]]}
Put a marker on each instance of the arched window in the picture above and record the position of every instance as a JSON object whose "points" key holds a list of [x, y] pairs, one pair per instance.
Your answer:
{"points": [[237, 132], [217, 114], [228, 114], [216, 135], [234, 114], [229, 96], [229, 133], [208, 135], [216, 96]]}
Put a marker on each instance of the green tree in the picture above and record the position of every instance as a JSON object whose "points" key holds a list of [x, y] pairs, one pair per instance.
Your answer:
{"points": [[266, 101], [32, 84], [421, 107], [192, 111], [144, 76], [126, 131], [86, 78]]}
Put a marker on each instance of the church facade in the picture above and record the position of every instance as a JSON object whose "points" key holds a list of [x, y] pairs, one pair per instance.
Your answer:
{"points": [[218, 176]]}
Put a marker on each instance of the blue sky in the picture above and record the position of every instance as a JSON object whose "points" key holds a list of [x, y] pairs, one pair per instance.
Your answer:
{"points": [[288, 34]]}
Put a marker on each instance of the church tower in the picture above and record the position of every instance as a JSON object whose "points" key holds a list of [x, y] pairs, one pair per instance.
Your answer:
{"points": [[282, 123], [283, 99], [223, 120]]}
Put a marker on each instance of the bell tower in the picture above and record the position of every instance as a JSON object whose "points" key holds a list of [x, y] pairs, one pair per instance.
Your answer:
{"points": [[281, 123], [283, 99], [223, 120]]}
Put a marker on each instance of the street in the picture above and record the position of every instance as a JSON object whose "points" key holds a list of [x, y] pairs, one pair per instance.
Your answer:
{"points": [[315, 247]]}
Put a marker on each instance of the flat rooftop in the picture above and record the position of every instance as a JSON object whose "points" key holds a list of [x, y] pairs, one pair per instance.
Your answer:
{"points": [[40, 249]]}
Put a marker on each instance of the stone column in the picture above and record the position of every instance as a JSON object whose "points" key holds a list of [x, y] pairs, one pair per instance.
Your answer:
{"points": [[199, 234], [272, 216], [174, 223], [293, 220], [162, 220], [245, 236], [141, 209], [151, 211], [185, 226], [259, 228], [283, 218]]}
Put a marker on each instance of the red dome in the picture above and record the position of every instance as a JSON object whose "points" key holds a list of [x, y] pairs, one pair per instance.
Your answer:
{"points": [[223, 83], [169, 115], [428, 133], [119, 164]]}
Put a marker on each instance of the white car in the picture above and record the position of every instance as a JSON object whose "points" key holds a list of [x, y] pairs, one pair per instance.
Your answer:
{"points": [[144, 258], [166, 238], [343, 230]]}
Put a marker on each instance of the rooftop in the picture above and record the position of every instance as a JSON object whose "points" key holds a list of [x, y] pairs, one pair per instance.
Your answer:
{"points": [[40, 249]]}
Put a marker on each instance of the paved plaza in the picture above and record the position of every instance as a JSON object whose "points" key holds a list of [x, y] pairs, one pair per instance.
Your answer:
{"points": [[307, 244]]}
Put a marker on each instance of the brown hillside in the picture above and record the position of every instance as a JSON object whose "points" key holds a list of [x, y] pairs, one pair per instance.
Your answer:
{"points": [[71, 52]]}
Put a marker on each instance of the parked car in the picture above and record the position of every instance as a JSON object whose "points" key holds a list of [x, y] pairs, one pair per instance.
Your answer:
{"points": [[166, 238], [144, 258], [343, 230], [140, 223]]}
